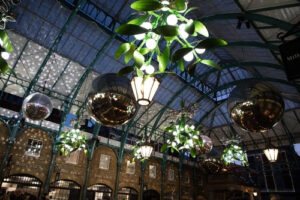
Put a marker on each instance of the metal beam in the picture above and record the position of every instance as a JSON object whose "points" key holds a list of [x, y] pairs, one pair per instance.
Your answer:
{"points": [[250, 16], [52, 48], [275, 7]]}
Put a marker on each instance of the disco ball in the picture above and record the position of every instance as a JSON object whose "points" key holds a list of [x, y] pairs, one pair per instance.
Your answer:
{"points": [[37, 106], [212, 165], [255, 106], [207, 145], [111, 101]]}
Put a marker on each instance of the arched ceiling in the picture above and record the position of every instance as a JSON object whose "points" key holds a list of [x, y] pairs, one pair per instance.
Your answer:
{"points": [[56, 47]]}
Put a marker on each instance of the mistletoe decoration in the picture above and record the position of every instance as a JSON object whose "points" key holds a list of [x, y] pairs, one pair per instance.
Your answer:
{"points": [[184, 137], [71, 141], [234, 153], [159, 24], [5, 49]]}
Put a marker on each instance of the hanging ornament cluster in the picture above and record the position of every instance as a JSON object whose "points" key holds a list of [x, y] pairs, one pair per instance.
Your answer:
{"points": [[142, 150], [234, 153], [37, 106], [160, 24], [71, 141], [183, 137]]}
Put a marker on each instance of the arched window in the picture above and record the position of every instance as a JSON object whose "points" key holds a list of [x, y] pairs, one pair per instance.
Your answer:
{"points": [[64, 189], [26, 183], [128, 194], [99, 192], [151, 195]]}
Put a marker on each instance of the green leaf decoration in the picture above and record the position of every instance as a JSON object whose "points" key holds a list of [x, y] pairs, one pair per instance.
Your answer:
{"points": [[129, 54], [144, 51], [166, 31], [126, 70], [181, 65], [144, 5], [139, 59], [139, 72], [130, 29], [201, 28], [4, 66], [138, 21], [190, 28], [211, 63], [191, 68], [6, 42], [180, 53], [211, 43], [124, 48], [180, 5], [163, 59]]}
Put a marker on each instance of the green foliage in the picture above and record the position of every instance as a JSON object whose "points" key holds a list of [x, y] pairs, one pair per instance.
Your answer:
{"points": [[234, 153], [5, 47], [144, 5], [130, 29], [156, 35], [163, 59], [72, 141], [183, 137], [167, 31]]}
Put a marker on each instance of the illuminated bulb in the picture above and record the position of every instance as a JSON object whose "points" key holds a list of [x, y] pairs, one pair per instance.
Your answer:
{"points": [[5, 55], [189, 57], [150, 69], [182, 31], [172, 20], [164, 8], [151, 44], [165, 3], [200, 51], [147, 25]]}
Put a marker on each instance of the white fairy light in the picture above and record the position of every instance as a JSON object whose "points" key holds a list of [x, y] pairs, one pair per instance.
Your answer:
{"points": [[172, 20], [183, 34], [151, 44], [189, 57], [5, 55], [150, 69], [200, 51]]}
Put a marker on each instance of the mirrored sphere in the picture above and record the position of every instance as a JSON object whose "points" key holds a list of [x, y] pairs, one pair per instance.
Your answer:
{"points": [[255, 106], [37, 106], [207, 145], [111, 101]]}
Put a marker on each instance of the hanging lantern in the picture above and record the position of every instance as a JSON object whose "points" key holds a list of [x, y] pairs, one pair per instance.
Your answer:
{"points": [[207, 145], [271, 153], [111, 100], [255, 106], [37, 106], [145, 150], [144, 91], [255, 194], [297, 148]]}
